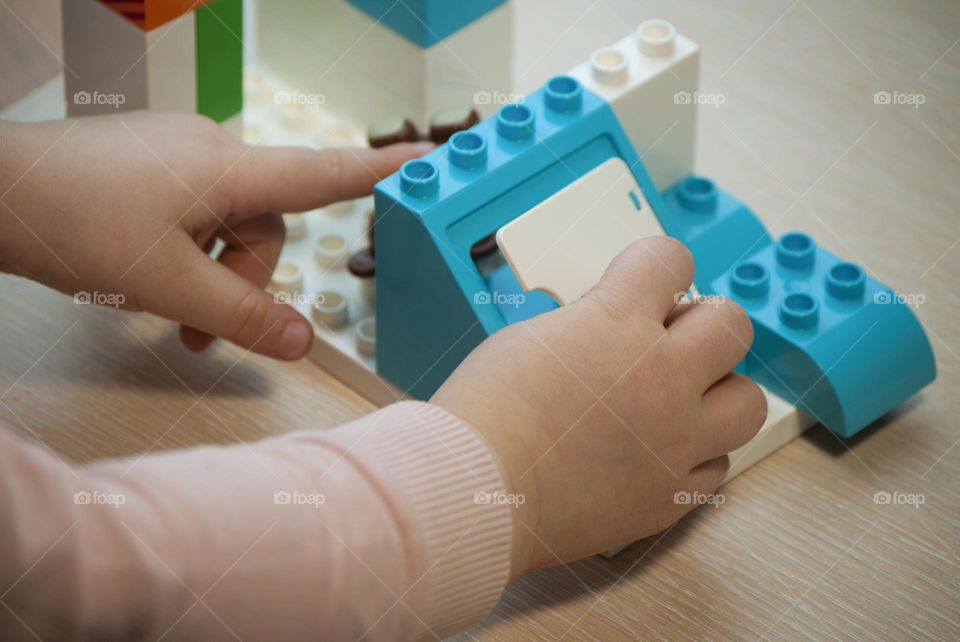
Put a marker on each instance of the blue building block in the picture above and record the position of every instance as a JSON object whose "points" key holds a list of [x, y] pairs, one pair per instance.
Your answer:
{"points": [[426, 22], [717, 228], [433, 305], [513, 302], [828, 338]]}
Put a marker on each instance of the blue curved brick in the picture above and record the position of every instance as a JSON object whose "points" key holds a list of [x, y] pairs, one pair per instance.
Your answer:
{"points": [[862, 353], [432, 307]]}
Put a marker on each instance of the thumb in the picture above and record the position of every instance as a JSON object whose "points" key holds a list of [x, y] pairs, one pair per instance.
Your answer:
{"points": [[647, 276], [214, 299]]}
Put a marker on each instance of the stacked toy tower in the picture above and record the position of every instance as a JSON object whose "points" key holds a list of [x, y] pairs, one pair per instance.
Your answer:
{"points": [[376, 59], [168, 55]]}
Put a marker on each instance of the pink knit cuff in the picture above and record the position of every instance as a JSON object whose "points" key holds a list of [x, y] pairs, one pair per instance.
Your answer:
{"points": [[448, 480]]}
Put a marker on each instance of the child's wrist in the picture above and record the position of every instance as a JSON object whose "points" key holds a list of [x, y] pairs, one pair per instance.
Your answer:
{"points": [[509, 452]]}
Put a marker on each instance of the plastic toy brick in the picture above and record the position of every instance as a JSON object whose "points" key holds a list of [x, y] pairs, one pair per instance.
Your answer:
{"points": [[434, 309], [718, 229], [150, 14], [426, 22], [104, 52], [444, 123], [366, 71], [125, 56], [650, 79], [563, 245], [828, 337], [220, 59], [391, 131]]}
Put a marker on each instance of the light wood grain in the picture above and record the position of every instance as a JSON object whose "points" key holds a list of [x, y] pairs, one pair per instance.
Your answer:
{"points": [[799, 549]]}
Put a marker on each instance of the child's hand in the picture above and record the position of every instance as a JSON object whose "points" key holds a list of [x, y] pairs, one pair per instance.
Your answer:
{"points": [[128, 204], [601, 411]]}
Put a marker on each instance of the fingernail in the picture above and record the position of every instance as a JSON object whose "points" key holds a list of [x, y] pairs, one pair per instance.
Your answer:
{"points": [[295, 340]]}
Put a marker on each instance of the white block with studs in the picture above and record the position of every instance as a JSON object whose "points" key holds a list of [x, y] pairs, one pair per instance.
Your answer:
{"points": [[311, 274], [650, 79]]}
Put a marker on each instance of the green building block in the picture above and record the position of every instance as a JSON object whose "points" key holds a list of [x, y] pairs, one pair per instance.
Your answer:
{"points": [[220, 59]]}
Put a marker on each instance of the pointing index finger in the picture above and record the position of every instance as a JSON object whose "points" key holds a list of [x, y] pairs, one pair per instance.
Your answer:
{"points": [[296, 179]]}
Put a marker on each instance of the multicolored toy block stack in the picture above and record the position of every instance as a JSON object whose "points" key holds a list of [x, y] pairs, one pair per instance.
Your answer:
{"points": [[167, 55], [559, 178], [366, 60]]}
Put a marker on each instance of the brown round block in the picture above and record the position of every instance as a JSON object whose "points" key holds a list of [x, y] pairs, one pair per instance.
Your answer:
{"points": [[390, 131], [484, 247], [448, 121], [362, 264]]}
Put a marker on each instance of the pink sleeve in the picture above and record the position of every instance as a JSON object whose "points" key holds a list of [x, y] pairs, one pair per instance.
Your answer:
{"points": [[373, 529]]}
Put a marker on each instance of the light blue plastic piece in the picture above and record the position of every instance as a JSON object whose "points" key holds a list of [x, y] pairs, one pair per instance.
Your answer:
{"points": [[828, 338], [426, 22], [718, 229], [513, 302], [433, 305]]}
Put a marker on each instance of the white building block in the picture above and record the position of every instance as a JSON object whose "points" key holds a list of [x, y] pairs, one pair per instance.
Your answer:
{"points": [[103, 59], [366, 72], [113, 65], [650, 79], [784, 424], [171, 60], [563, 245], [335, 301]]}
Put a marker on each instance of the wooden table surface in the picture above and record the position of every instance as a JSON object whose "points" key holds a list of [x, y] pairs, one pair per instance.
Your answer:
{"points": [[799, 549]]}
